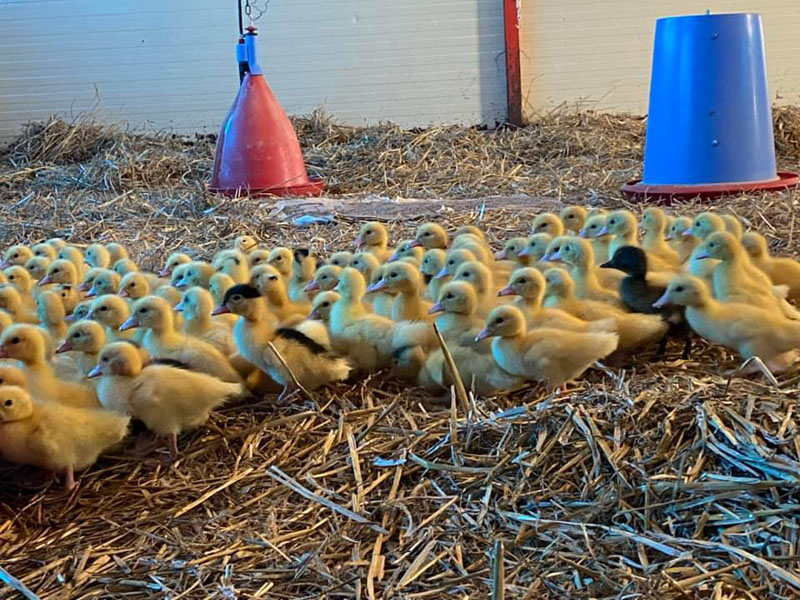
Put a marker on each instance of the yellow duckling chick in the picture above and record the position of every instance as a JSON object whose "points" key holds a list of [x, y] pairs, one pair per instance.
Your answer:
{"points": [[54, 437], [374, 238], [325, 279], [554, 356], [105, 282], [51, 315], [322, 305], [111, 312], [340, 259], [573, 218], [547, 223], [303, 267], [6, 320], [406, 281], [81, 311], [37, 267], [702, 226], [12, 376], [178, 274], [84, 340], [97, 256], [57, 243], [600, 243], [635, 330], [405, 249], [234, 264], [18, 255], [197, 274], [28, 345], [456, 311], [454, 258], [134, 286], [168, 400], [538, 246], [591, 282], [174, 260], [429, 236], [45, 250], [733, 225], [88, 279], [529, 286], [512, 250], [780, 270], [258, 257], [21, 279], [381, 301], [747, 329], [622, 225], [60, 271], [218, 286], [73, 255], [125, 266], [305, 349], [69, 296], [653, 225], [272, 286], [470, 230], [433, 262], [365, 263], [682, 244], [11, 302], [116, 252], [281, 259], [162, 340], [197, 306], [478, 247], [480, 278], [735, 279], [245, 243]]}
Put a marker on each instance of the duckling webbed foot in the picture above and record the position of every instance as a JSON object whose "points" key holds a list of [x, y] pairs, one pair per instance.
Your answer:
{"points": [[172, 441], [69, 479]]}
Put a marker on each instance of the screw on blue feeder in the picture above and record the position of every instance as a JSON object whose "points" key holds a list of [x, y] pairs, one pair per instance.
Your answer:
{"points": [[241, 58], [709, 124], [252, 50]]}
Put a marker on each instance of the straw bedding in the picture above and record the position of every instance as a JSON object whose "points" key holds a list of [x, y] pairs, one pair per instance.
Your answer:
{"points": [[648, 480]]}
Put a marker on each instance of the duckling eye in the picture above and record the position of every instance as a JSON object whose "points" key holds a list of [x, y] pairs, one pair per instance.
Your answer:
{"points": [[15, 340], [427, 234], [8, 403], [257, 260], [103, 308], [467, 274], [16, 255], [326, 304], [133, 285], [393, 275], [142, 310], [522, 280], [279, 258], [11, 277], [451, 262], [498, 320], [593, 226], [273, 278], [570, 216], [105, 359], [56, 270], [449, 296]]}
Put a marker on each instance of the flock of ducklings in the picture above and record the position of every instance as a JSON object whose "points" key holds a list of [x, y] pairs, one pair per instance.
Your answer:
{"points": [[90, 341]]}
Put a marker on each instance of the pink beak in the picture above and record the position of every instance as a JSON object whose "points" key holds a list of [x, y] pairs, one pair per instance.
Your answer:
{"points": [[69, 318], [415, 244], [582, 233], [4, 264], [661, 301], [85, 286], [668, 237], [311, 287], [64, 347], [313, 314], [555, 256], [178, 307], [164, 273], [687, 232], [392, 257], [44, 281], [129, 324], [123, 293], [701, 256], [436, 308], [507, 291], [482, 335], [500, 255], [603, 231], [336, 288], [525, 251], [358, 242], [94, 373], [441, 274], [377, 286], [221, 310], [91, 293]]}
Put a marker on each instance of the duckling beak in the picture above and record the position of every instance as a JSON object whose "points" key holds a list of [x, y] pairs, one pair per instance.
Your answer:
{"points": [[500, 255], [94, 373], [3, 353], [180, 285], [69, 318], [555, 256], [358, 242], [687, 232], [311, 287], [129, 324], [64, 347], [663, 301], [313, 314], [4, 264], [668, 237], [178, 307], [603, 231], [507, 291], [164, 273], [84, 287], [336, 288], [221, 310], [436, 308], [394, 256], [583, 233], [525, 252], [123, 293], [415, 244], [441, 274], [44, 281], [379, 285], [483, 334], [91, 293], [608, 265], [702, 256]]}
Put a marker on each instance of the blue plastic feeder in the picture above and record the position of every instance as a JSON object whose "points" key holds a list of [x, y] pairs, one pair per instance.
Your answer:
{"points": [[709, 124]]}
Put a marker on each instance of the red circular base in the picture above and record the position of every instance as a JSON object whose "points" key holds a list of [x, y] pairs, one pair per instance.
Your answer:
{"points": [[664, 194], [313, 187]]}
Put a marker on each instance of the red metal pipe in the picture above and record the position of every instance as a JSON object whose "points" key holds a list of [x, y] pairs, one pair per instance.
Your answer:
{"points": [[513, 70]]}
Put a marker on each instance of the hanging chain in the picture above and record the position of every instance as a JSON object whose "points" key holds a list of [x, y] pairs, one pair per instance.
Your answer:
{"points": [[260, 12], [248, 10]]}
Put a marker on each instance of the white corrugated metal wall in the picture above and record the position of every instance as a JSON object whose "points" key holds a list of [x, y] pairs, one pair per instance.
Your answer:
{"points": [[596, 54], [168, 64]]}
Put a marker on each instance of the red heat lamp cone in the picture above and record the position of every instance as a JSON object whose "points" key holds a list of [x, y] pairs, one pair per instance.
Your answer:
{"points": [[257, 150]]}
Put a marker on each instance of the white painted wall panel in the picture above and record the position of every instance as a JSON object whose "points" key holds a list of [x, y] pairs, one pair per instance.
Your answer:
{"points": [[596, 54], [168, 64]]}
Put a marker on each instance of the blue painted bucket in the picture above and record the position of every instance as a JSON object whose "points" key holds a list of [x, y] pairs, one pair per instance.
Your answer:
{"points": [[709, 119]]}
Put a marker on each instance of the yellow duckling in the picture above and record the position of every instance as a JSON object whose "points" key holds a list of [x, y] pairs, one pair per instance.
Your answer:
{"points": [[258, 257], [454, 258], [429, 236], [303, 268], [60, 271], [747, 329], [197, 306], [480, 277], [621, 224], [168, 400], [634, 329], [405, 249], [6, 321], [134, 286], [37, 267], [28, 345], [174, 260], [702, 226], [469, 230], [512, 250], [529, 285], [682, 244], [433, 262], [124, 266], [161, 340], [733, 225], [458, 321], [178, 274], [365, 263], [56, 242], [55, 437], [111, 312], [11, 302], [321, 307], [573, 218], [105, 282], [88, 279], [591, 282], [381, 302], [406, 281], [218, 286], [116, 252], [68, 294], [600, 243], [272, 286], [84, 340], [548, 223], [97, 256], [197, 274], [45, 250], [780, 270], [305, 348], [281, 259], [50, 312], [21, 279], [12, 376], [73, 255], [555, 356], [477, 246], [537, 248], [325, 279], [340, 259], [234, 264], [245, 244], [81, 311], [17, 254], [373, 238], [653, 225]]}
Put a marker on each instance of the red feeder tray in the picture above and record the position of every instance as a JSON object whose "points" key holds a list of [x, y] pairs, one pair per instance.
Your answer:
{"points": [[636, 191]]}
